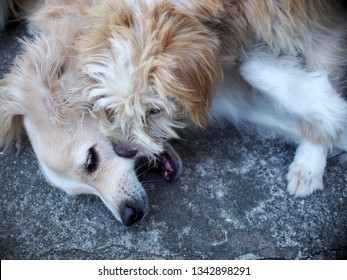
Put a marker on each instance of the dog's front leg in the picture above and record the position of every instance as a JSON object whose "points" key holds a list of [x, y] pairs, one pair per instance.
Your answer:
{"points": [[315, 109]]}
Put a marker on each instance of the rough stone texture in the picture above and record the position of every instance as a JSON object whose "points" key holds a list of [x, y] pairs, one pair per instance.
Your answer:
{"points": [[229, 203]]}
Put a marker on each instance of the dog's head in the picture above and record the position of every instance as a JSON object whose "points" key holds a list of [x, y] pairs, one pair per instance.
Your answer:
{"points": [[73, 153], [149, 65]]}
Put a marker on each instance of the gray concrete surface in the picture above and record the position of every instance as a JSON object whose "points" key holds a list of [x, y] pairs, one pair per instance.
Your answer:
{"points": [[229, 203]]}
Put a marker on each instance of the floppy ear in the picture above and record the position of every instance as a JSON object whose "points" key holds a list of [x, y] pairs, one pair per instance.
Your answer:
{"points": [[191, 81], [188, 66], [10, 117], [197, 74], [31, 88]]}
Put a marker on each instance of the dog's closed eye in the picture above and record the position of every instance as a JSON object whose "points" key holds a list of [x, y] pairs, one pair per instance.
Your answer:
{"points": [[153, 111], [92, 160]]}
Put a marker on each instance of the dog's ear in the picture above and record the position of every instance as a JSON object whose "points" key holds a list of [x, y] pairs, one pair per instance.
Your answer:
{"points": [[10, 117], [191, 81], [28, 89], [197, 77], [188, 64]]}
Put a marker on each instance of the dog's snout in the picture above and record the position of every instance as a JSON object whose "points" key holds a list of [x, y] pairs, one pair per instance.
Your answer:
{"points": [[132, 212], [124, 150]]}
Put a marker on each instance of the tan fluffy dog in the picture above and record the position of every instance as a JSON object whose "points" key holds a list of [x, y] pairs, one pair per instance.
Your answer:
{"points": [[147, 65], [73, 153]]}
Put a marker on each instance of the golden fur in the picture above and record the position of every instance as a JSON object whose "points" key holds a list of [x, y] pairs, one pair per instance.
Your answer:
{"points": [[177, 50], [145, 66]]}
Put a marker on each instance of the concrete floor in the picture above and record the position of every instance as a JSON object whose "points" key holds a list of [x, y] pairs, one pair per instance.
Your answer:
{"points": [[229, 203]]}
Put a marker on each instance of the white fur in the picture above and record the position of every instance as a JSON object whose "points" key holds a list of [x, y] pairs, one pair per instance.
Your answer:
{"points": [[112, 75], [308, 96], [278, 96], [306, 171]]}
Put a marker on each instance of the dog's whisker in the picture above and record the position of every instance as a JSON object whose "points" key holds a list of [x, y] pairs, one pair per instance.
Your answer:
{"points": [[143, 171], [154, 181]]}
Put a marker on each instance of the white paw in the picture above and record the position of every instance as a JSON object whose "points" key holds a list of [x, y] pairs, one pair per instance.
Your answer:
{"points": [[302, 181]]}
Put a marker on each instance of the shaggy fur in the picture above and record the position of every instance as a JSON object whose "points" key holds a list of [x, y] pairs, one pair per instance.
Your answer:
{"points": [[146, 66], [73, 153]]}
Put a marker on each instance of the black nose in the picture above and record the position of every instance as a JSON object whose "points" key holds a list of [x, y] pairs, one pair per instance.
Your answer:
{"points": [[124, 151], [132, 213]]}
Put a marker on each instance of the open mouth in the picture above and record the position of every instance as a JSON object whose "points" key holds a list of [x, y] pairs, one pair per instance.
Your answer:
{"points": [[168, 164]]}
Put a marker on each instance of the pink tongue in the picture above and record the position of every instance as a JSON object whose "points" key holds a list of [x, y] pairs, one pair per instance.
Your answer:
{"points": [[167, 169], [167, 165]]}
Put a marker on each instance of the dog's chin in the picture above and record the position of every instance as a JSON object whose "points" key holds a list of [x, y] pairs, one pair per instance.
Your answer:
{"points": [[167, 164]]}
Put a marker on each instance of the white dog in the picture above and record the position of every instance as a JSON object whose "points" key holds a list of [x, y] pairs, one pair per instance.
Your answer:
{"points": [[147, 65], [73, 153]]}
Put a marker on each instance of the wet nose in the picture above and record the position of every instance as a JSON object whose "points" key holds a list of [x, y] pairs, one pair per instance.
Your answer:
{"points": [[124, 150], [131, 213]]}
